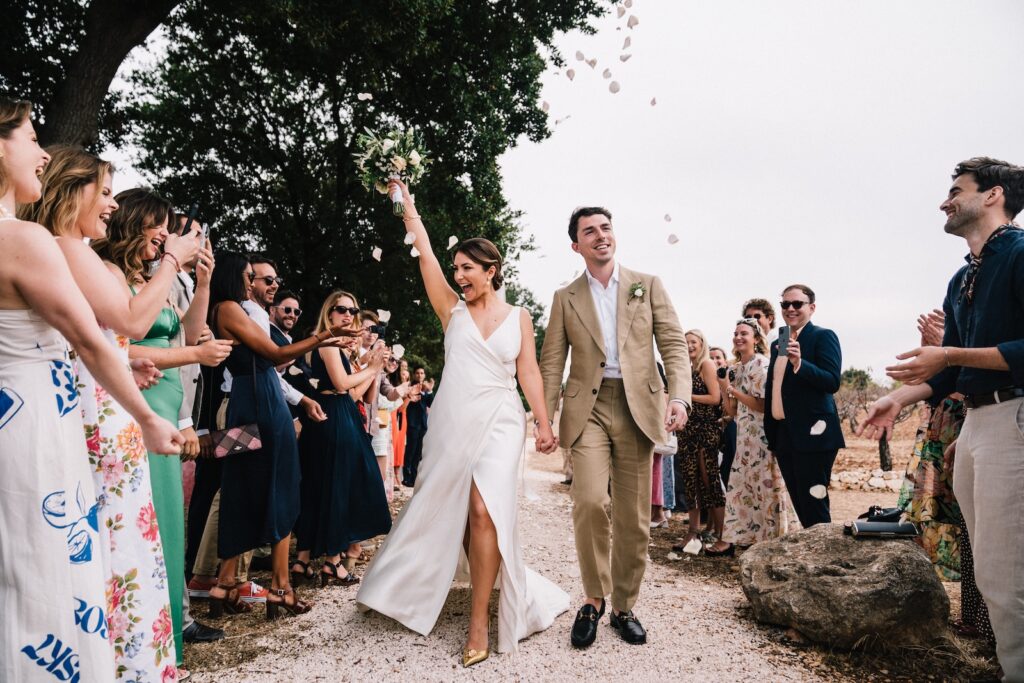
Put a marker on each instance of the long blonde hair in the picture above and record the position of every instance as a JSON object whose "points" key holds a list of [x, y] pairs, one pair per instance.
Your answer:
{"points": [[70, 171], [705, 352], [323, 321], [12, 114]]}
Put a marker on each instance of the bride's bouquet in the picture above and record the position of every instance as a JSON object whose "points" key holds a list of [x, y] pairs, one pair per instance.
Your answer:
{"points": [[396, 154]]}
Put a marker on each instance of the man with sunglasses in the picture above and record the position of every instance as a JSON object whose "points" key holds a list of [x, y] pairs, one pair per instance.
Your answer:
{"points": [[763, 312], [800, 417], [284, 313]]}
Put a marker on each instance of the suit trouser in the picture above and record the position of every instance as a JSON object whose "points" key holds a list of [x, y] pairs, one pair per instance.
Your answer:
{"points": [[207, 484], [802, 470], [987, 480], [413, 453], [612, 447]]}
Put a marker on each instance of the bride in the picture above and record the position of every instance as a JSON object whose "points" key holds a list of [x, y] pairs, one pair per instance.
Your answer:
{"points": [[464, 502]]}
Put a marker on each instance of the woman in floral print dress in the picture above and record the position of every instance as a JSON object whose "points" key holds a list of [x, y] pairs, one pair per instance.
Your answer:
{"points": [[756, 503]]}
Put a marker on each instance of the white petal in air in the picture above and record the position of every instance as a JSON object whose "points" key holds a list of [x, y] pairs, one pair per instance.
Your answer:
{"points": [[624, 58], [384, 316], [571, 73], [818, 428], [654, 101], [592, 63], [607, 73], [416, 301], [397, 351], [628, 3], [668, 218], [410, 237], [818, 491], [545, 107], [613, 87], [579, 56], [693, 547], [626, 43], [672, 239], [414, 252], [363, 96], [377, 254], [452, 241], [314, 382], [620, 11], [632, 21], [292, 370]]}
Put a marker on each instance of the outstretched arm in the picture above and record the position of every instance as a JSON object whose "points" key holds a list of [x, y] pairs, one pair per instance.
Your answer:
{"points": [[533, 386], [442, 297]]}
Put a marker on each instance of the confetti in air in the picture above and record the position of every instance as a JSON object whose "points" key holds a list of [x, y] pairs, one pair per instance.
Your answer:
{"points": [[668, 218], [545, 107], [632, 21], [818, 491], [672, 239], [614, 87], [818, 428], [384, 316], [592, 63], [654, 101], [607, 73], [571, 73], [620, 11], [414, 252], [363, 96], [625, 57], [410, 237], [376, 253], [626, 43], [452, 241], [397, 351], [580, 56]]}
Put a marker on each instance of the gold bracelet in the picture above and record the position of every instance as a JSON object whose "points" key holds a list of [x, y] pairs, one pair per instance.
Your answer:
{"points": [[411, 218]]}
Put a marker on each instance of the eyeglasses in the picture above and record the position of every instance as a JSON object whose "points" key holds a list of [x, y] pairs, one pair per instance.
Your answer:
{"points": [[342, 310], [267, 280], [288, 310], [795, 304], [755, 316]]}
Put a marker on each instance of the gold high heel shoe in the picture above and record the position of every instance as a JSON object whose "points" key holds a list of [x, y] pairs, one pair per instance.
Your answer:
{"points": [[471, 657]]}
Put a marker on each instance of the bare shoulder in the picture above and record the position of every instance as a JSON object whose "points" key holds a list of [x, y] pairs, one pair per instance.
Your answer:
{"points": [[25, 233]]}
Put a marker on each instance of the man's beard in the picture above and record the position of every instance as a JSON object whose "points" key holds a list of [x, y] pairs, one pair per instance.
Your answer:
{"points": [[958, 223]]}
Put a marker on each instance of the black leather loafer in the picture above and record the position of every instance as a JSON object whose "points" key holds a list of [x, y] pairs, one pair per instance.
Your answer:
{"points": [[629, 627], [584, 629], [201, 633]]}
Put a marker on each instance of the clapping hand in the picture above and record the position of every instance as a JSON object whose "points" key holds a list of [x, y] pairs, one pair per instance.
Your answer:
{"points": [[925, 363], [931, 326]]}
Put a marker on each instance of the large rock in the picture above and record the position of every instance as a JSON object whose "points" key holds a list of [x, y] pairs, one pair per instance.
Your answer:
{"points": [[844, 592]]}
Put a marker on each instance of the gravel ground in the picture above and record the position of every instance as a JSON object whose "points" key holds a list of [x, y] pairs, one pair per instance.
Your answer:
{"points": [[696, 616]]}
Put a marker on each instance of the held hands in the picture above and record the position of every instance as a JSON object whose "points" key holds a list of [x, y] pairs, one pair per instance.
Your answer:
{"points": [[145, 373], [190, 451], [160, 436], [675, 416], [880, 420], [213, 352], [546, 441], [925, 363]]}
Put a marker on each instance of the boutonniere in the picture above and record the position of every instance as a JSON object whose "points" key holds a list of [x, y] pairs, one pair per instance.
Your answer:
{"points": [[637, 291]]}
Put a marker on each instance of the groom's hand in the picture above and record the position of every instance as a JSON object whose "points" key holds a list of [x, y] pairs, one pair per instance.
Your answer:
{"points": [[675, 416]]}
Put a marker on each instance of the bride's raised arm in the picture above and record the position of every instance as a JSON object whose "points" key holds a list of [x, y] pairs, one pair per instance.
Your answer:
{"points": [[442, 297]]}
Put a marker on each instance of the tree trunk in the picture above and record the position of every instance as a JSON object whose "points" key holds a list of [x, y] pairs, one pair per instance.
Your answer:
{"points": [[884, 455], [112, 29]]}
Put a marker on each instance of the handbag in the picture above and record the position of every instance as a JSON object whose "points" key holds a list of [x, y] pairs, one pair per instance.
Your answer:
{"points": [[243, 438], [669, 447]]}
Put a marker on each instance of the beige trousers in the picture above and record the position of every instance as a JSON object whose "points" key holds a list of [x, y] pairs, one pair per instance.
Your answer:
{"points": [[206, 556], [612, 449], [988, 481]]}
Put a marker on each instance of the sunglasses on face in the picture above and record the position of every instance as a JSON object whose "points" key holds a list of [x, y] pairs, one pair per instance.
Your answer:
{"points": [[251, 276], [748, 321], [795, 304], [288, 310], [267, 280], [755, 316], [342, 310]]}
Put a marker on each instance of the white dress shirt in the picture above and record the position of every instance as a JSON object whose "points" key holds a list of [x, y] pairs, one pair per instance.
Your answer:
{"points": [[259, 315], [606, 301]]}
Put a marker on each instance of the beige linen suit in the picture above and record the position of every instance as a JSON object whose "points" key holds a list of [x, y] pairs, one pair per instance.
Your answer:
{"points": [[611, 425]]}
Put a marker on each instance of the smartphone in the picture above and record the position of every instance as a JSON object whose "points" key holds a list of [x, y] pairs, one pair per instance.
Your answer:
{"points": [[206, 234], [193, 210], [783, 339]]}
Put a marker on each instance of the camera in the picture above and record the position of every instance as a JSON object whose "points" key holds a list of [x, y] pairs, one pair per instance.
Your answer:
{"points": [[379, 330], [722, 372]]}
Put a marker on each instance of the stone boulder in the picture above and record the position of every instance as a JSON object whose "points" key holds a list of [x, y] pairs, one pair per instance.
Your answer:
{"points": [[846, 593]]}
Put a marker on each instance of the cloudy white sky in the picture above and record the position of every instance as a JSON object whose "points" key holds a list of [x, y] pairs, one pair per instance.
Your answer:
{"points": [[792, 141]]}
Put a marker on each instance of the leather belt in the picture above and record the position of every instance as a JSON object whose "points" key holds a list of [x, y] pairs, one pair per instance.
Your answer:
{"points": [[993, 397]]}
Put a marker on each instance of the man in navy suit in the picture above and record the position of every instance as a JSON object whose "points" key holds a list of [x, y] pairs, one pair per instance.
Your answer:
{"points": [[800, 418]]}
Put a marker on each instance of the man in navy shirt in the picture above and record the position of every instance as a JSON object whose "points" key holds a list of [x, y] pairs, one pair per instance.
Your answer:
{"points": [[982, 357]]}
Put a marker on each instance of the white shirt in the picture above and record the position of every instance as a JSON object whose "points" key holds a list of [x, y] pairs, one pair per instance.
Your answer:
{"points": [[606, 301], [259, 315]]}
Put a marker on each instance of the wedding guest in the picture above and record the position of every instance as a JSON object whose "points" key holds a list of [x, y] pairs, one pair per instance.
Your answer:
{"points": [[420, 399], [756, 504], [801, 421], [697, 454], [981, 357], [728, 448], [259, 488], [662, 513], [132, 240], [49, 510], [342, 494], [399, 423], [284, 314], [763, 312]]}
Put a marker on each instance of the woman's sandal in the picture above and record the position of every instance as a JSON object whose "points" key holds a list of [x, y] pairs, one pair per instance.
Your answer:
{"points": [[724, 552], [231, 602], [294, 607], [329, 576], [350, 562], [305, 573]]}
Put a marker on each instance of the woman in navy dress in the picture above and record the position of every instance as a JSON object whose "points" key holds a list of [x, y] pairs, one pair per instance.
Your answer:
{"points": [[343, 496]]}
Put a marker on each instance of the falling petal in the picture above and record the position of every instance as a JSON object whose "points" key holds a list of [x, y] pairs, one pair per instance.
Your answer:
{"points": [[693, 547], [414, 252], [672, 239], [384, 316], [673, 556], [592, 63], [628, 3], [410, 237], [654, 101], [363, 96], [626, 43], [579, 56], [668, 218], [818, 491], [314, 382], [620, 11], [818, 428], [614, 87], [632, 21], [571, 73], [452, 241], [397, 351], [624, 58], [416, 301], [292, 370], [377, 254], [607, 73], [545, 107]]}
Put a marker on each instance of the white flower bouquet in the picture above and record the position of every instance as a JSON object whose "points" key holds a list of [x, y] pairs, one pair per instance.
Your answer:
{"points": [[397, 154]]}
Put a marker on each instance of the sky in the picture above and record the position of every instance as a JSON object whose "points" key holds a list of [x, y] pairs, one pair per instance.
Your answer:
{"points": [[792, 141]]}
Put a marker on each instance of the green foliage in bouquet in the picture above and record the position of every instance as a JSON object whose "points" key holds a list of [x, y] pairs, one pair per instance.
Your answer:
{"points": [[398, 153]]}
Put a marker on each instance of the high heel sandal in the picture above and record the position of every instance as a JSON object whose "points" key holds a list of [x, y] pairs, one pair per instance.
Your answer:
{"points": [[294, 608], [350, 562], [299, 577], [329, 576], [231, 602]]}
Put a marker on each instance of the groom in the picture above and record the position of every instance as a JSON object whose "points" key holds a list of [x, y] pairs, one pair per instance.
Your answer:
{"points": [[612, 414]]}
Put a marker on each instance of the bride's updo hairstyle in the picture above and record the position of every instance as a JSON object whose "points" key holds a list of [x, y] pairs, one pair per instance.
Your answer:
{"points": [[485, 254]]}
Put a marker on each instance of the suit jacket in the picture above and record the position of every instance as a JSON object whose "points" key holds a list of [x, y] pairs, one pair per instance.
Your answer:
{"points": [[640, 321], [416, 412], [807, 395], [191, 380]]}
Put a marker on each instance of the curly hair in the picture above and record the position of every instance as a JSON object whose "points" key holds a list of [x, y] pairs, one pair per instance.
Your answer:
{"points": [[70, 171], [125, 244]]}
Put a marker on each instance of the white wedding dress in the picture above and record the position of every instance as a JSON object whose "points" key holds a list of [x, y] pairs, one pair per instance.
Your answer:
{"points": [[477, 431]]}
